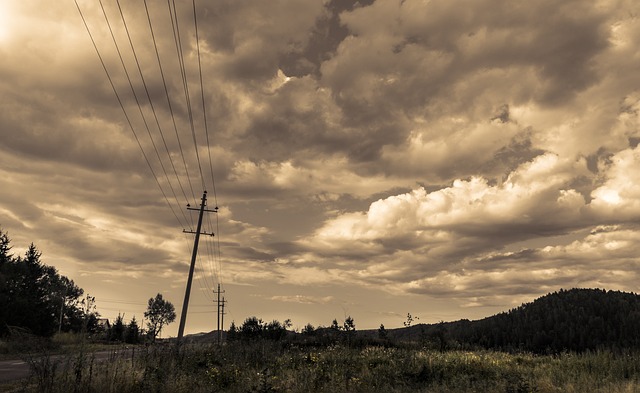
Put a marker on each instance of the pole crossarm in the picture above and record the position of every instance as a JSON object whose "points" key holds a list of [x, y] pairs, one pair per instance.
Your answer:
{"points": [[202, 233], [215, 209]]}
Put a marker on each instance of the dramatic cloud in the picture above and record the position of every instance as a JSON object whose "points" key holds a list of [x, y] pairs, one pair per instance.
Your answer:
{"points": [[479, 154]]}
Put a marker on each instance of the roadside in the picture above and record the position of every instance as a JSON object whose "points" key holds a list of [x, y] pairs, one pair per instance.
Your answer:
{"points": [[12, 370]]}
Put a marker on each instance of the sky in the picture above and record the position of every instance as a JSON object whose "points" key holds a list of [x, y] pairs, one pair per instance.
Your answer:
{"points": [[448, 159]]}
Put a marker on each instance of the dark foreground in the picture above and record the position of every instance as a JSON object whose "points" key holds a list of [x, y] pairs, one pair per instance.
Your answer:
{"points": [[264, 366], [27, 365]]}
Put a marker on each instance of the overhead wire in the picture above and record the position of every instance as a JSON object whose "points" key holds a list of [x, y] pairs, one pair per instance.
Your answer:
{"points": [[206, 128], [218, 253], [135, 95], [126, 115], [153, 108], [209, 253], [178, 42], [204, 107], [202, 281], [166, 91], [215, 264]]}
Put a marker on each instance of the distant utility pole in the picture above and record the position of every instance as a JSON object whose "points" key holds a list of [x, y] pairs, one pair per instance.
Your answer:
{"points": [[61, 311], [194, 254], [220, 311]]}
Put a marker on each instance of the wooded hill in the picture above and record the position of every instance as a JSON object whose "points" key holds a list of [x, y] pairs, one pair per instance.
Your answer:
{"points": [[568, 320], [575, 320]]}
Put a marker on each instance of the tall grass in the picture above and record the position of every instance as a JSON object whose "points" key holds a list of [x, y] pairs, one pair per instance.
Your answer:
{"points": [[264, 366]]}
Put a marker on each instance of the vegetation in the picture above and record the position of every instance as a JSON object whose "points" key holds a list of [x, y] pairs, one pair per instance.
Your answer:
{"points": [[256, 329], [575, 320], [282, 366], [36, 299], [43, 310], [159, 312]]}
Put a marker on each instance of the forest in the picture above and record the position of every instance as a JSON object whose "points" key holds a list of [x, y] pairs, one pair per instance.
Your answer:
{"points": [[575, 320]]}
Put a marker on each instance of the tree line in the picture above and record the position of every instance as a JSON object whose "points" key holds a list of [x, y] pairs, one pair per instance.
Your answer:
{"points": [[575, 320], [36, 299], [160, 312], [567, 320]]}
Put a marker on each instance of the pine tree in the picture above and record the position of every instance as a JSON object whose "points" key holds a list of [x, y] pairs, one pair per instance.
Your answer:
{"points": [[132, 332], [382, 333], [232, 333], [117, 329]]}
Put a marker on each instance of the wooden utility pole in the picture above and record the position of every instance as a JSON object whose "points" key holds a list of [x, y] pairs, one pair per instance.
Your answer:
{"points": [[194, 254], [220, 307], [222, 312]]}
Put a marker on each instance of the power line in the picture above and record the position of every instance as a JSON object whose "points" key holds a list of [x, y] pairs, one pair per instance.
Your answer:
{"points": [[153, 109], [213, 255], [178, 42], [115, 91], [166, 91], [204, 110], [133, 91]]}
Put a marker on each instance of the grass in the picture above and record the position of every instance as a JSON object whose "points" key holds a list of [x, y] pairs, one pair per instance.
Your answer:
{"points": [[61, 343], [265, 366]]}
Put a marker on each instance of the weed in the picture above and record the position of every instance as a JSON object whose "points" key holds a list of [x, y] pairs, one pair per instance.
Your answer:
{"points": [[269, 367]]}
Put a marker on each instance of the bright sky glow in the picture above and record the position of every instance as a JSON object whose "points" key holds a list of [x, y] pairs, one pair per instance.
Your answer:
{"points": [[610, 196], [5, 21]]}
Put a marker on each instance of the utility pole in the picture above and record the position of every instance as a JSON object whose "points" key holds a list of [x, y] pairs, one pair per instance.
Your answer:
{"points": [[61, 311], [220, 306], [222, 313], [194, 254]]}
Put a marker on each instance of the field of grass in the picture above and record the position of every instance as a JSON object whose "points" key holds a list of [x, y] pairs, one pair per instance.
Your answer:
{"points": [[266, 366]]}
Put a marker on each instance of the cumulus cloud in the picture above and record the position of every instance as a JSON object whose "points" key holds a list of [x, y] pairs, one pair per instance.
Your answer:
{"points": [[534, 198], [619, 197], [449, 242]]}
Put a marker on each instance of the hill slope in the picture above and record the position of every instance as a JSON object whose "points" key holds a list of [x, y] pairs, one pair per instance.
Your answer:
{"points": [[575, 320]]}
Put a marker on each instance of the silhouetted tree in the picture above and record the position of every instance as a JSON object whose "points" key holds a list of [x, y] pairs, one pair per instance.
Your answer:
{"points": [[5, 247], [410, 319], [159, 312], [255, 329], [349, 328], [232, 333], [251, 329], [34, 296], [274, 330], [308, 330], [349, 324], [573, 320], [117, 329], [132, 332], [382, 333]]}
